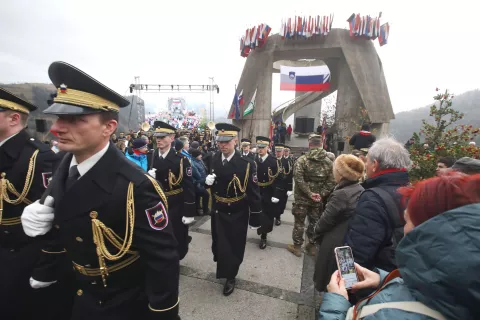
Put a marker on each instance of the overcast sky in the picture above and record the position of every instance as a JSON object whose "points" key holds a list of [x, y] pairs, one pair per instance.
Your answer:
{"points": [[432, 43]]}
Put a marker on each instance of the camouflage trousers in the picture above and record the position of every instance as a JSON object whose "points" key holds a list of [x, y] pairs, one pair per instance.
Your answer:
{"points": [[300, 212]]}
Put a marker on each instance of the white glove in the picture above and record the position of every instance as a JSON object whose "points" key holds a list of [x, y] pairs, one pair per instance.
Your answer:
{"points": [[275, 200], [254, 228], [289, 193], [37, 218], [152, 173], [39, 284], [187, 220], [210, 179]]}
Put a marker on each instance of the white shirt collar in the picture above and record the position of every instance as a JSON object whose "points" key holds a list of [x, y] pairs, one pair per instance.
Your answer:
{"points": [[90, 162], [264, 157], [229, 157], [3, 142], [246, 154], [164, 155]]}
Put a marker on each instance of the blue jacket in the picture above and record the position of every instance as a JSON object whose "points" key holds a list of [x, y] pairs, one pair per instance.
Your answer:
{"points": [[370, 232], [439, 262], [141, 160]]}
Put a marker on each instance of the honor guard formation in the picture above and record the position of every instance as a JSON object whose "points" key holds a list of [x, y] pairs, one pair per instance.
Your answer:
{"points": [[96, 226]]}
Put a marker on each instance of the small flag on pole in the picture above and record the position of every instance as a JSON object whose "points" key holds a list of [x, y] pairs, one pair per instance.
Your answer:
{"points": [[251, 105]]}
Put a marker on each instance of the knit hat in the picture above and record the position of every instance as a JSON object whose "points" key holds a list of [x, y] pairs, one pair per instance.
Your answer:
{"points": [[195, 145], [194, 152], [139, 144], [349, 167]]}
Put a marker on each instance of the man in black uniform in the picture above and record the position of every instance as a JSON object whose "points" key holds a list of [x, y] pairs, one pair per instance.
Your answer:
{"points": [[245, 144], [236, 204], [285, 181], [269, 180], [109, 216], [174, 172], [25, 167]]}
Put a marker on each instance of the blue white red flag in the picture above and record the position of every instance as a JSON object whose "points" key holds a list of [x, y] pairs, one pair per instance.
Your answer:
{"points": [[240, 98], [316, 78], [237, 106]]}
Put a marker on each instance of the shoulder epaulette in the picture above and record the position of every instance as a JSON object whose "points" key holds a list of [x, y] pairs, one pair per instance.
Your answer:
{"points": [[37, 144]]}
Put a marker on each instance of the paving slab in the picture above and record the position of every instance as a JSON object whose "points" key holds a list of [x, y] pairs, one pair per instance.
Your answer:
{"points": [[272, 266], [203, 300], [281, 234]]}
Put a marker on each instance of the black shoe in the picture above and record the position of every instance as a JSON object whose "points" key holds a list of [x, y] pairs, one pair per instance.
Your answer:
{"points": [[228, 287], [278, 222], [263, 243]]}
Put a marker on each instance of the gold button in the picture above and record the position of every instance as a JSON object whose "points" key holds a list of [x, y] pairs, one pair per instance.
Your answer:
{"points": [[79, 292], [79, 239], [94, 214], [57, 226]]}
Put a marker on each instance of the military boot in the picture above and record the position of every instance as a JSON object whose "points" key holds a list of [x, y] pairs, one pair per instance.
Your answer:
{"points": [[296, 249], [310, 249]]}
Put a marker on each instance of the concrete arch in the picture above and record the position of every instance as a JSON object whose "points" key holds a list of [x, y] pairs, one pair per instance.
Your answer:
{"points": [[356, 74]]}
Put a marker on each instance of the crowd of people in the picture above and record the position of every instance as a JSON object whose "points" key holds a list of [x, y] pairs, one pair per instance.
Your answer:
{"points": [[94, 226]]}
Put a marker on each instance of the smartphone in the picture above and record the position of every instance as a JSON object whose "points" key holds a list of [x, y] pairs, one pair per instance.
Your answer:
{"points": [[346, 266]]}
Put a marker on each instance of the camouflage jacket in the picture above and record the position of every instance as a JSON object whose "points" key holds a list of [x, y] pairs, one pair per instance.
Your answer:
{"points": [[313, 173]]}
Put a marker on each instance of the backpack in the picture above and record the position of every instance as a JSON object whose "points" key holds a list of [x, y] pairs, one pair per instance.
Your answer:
{"points": [[393, 214], [385, 257]]}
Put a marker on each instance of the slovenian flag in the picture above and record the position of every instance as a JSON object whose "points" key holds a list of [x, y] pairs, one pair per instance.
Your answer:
{"points": [[240, 98], [316, 78]]}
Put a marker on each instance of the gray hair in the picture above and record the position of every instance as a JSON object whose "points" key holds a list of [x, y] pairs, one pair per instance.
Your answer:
{"points": [[184, 140], [390, 154]]}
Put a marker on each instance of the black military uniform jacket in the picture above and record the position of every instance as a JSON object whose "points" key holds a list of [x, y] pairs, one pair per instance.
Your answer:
{"points": [[179, 180], [269, 178], [287, 164], [149, 272], [250, 155], [16, 155], [225, 189]]}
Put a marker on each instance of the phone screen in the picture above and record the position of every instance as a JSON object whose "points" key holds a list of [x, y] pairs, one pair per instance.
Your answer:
{"points": [[346, 265]]}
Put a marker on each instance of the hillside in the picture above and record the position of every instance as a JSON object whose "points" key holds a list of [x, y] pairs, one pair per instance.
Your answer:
{"points": [[407, 122]]}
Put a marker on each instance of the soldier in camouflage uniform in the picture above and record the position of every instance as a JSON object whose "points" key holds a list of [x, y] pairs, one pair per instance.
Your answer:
{"points": [[313, 177]]}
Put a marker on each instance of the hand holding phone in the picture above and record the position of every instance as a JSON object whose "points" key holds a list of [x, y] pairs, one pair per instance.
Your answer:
{"points": [[366, 278], [346, 266]]}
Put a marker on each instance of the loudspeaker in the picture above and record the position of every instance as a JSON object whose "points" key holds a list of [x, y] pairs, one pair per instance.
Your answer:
{"points": [[341, 146], [309, 123], [41, 125]]}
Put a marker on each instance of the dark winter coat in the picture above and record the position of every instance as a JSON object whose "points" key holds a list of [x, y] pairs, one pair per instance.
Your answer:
{"points": [[370, 232], [331, 228], [362, 139]]}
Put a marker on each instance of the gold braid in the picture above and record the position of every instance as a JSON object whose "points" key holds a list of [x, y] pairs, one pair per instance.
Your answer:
{"points": [[272, 177], [6, 186], [100, 232], [172, 181], [236, 182], [285, 171]]}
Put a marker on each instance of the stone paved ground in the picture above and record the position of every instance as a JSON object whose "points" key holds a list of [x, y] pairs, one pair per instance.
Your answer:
{"points": [[271, 284]]}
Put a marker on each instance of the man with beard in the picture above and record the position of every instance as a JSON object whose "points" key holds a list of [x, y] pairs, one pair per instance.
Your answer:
{"points": [[236, 204], [269, 175], [106, 213], [245, 144], [174, 172]]}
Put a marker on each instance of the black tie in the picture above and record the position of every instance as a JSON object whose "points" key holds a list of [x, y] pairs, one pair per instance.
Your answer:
{"points": [[73, 176], [225, 161], [261, 160]]}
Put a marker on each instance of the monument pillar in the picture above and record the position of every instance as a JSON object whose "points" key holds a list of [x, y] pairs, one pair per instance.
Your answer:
{"points": [[258, 122], [349, 101]]}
